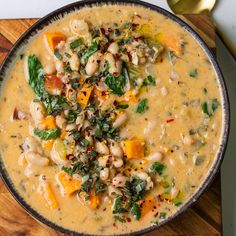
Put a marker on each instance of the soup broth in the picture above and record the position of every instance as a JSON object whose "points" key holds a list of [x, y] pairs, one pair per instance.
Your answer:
{"points": [[110, 119]]}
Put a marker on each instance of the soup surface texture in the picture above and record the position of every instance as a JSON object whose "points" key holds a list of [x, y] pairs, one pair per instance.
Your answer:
{"points": [[110, 119]]}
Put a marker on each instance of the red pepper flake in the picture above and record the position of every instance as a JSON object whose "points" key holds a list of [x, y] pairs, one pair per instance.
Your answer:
{"points": [[102, 30], [170, 120], [129, 56], [116, 74], [128, 219], [70, 156]]}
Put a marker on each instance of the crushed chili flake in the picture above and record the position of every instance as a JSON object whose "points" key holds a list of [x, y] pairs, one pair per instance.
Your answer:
{"points": [[116, 74], [170, 120]]}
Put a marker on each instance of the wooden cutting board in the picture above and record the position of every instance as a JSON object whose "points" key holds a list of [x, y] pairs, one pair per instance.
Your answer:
{"points": [[203, 218]]}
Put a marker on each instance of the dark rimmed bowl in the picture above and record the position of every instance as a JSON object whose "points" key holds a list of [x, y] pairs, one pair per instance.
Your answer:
{"points": [[32, 31]]}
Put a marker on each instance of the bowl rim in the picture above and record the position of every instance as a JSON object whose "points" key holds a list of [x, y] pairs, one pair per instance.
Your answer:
{"points": [[58, 14]]}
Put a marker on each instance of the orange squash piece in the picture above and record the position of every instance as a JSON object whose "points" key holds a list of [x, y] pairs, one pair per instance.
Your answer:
{"points": [[50, 122], [173, 42], [148, 205], [53, 38], [47, 144], [134, 148], [53, 82], [84, 94], [47, 193], [68, 184]]}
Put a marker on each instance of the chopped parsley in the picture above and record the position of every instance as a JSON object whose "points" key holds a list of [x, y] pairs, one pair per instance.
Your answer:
{"points": [[118, 218], [193, 73], [210, 107], [76, 43], [58, 55]]}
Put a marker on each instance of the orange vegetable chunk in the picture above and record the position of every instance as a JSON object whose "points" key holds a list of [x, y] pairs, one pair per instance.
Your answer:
{"points": [[173, 42], [50, 122], [84, 94], [148, 205], [68, 184], [53, 38], [53, 82], [47, 193], [134, 148]]}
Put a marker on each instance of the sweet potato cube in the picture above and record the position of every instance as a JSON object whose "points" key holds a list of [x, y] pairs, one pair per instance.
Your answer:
{"points": [[53, 38], [49, 196], [93, 201], [84, 94], [68, 184], [173, 42], [148, 205], [50, 122], [134, 148]]}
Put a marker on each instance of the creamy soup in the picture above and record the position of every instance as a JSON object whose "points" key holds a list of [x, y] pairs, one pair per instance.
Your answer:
{"points": [[110, 120]]}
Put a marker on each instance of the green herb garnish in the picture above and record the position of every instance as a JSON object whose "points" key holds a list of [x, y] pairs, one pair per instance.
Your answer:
{"points": [[58, 55], [210, 107], [193, 73], [76, 43], [142, 106], [135, 211], [157, 168], [47, 134], [89, 52], [118, 218], [149, 80]]}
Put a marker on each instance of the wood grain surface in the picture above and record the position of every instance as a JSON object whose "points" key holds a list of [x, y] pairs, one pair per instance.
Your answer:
{"points": [[203, 218]]}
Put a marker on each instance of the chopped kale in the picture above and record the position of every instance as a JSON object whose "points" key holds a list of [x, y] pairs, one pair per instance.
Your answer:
{"points": [[118, 218], [58, 55], [142, 106], [149, 80], [76, 43], [135, 211], [193, 73], [118, 206], [47, 134], [89, 52], [157, 168], [210, 107]]}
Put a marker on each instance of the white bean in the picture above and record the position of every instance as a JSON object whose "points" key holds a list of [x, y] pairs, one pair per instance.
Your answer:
{"points": [[36, 159], [102, 148], [113, 48], [119, 181], [164, 91], [61, 121], [104, 174], [37, 112], [70, 127], [156, 156], [120, 120], [118, 163], [50, 69], [74, 62], [93, 64], [114, 66], [174, 192], [187, 140], [31, 144], [59, 66], [115, 149], [79, 27], [102, 161], [29, 170]]}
